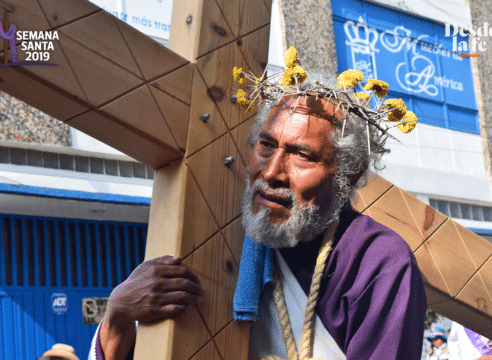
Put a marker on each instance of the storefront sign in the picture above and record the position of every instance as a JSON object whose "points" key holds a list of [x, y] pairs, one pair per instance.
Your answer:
{"points": [[152, 17], [414, 56], [93, 310]]}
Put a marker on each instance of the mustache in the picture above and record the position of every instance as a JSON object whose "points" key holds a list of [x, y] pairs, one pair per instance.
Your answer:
{"points": [[283, 194]]}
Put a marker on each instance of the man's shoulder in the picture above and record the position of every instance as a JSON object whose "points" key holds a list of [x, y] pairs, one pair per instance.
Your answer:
{"points": [[364, 237]]}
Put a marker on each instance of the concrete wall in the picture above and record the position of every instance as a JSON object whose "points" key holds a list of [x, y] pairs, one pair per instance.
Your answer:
{"points": [[308, 25], [20, 122]]}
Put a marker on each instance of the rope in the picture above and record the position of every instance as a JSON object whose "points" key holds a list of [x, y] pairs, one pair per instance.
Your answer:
{"points": [[307, 338], [283, 315], [309, 319]]}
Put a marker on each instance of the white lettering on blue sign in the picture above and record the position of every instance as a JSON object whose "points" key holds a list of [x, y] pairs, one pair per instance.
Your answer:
{"points": [[59, 303], [417, 81], [362, 45], [419, 77], [394, 40]]}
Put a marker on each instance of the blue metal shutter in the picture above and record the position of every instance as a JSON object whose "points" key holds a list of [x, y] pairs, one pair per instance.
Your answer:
{"points": [[41, 256]]}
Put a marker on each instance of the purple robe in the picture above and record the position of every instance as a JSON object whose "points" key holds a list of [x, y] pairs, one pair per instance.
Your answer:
{"points": [[372, 299]]}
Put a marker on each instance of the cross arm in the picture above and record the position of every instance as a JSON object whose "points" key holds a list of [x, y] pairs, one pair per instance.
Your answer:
{"points": [[456, 263], [110, 81]]}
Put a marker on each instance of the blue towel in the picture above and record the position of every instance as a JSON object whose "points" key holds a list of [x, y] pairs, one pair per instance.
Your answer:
{"points": [[255, 271]]}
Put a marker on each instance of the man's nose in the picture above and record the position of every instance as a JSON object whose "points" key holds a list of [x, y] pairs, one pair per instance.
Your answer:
{"points": [[275, 170]]}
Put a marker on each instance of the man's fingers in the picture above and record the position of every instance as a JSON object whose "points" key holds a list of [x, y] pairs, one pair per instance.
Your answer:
{"points": [[170, 311], [176, 271], [178, 284], [168, 260], [179, 298], [168, 267], [173, 310]]}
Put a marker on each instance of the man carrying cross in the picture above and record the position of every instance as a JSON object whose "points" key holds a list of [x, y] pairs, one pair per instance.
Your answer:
{"points": [[358, 280]]}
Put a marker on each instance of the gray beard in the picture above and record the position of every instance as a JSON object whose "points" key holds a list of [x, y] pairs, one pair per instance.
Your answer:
{"points": [[303, 224]]}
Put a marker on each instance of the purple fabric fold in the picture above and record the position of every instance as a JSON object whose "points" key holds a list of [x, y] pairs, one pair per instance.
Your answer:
{"points": [[372, 298]]}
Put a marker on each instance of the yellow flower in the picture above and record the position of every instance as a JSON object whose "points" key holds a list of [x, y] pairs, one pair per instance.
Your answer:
{"points": [[238, 76], [408, 122], [243, 100], [361, 95], [398, 109], [349, 78], [290, 57], [379, 87], [292, 74]]}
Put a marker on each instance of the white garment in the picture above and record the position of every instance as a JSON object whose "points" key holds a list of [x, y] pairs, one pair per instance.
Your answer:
{"points": [[460, 346], [439, 355], [92, 351], [266, 333]]}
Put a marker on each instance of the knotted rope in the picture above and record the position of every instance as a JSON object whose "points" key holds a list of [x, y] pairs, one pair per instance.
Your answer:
{"points": [[307, 338]]}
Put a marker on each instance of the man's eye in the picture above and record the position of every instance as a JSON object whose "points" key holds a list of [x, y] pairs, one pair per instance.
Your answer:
{"points": [[304, 156], [266, 144]]}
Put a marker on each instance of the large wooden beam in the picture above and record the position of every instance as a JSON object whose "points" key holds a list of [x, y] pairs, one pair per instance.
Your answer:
{"points": [[201, 220], [455, 262], [111, 81]]}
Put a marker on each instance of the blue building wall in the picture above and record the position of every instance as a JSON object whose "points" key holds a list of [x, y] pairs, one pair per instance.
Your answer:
{"points": [[42, 257]]}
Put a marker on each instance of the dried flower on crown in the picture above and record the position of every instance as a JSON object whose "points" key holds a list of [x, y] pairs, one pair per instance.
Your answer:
{"points": [[397, 109], [293, 76], [290, 57], [345, 96], [244, 101], [238, 76], [408, 122], [379, 87], [362, 95], [349, 78]]}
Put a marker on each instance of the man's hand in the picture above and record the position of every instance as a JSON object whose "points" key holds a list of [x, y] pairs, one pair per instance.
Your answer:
{"points": [[156, 290]]}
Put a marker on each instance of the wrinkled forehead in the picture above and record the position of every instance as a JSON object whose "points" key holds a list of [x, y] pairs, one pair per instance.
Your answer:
{"points": [[309, 106]]}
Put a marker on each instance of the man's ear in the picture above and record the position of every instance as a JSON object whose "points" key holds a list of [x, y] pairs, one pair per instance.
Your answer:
{"points": [[356, 177]]}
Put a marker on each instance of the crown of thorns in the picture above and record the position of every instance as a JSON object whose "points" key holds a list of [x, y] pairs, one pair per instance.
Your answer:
{"points": [[383, 116]]}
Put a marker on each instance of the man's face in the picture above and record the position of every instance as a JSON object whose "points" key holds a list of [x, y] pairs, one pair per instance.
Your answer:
{"points": [[289, 195], [294, 152]]}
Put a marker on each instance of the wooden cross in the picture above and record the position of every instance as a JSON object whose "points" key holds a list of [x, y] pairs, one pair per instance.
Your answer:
{"points": [[171, 109]]}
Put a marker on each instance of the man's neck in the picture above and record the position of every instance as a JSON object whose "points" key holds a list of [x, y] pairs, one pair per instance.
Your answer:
{"points": [[302, 258]]}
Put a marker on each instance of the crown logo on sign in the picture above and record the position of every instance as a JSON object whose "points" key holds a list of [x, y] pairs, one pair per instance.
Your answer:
{"points": [[354, 31]]}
